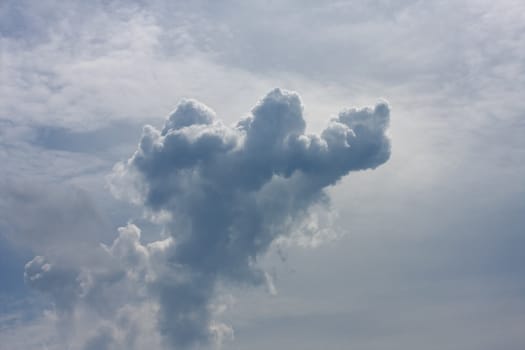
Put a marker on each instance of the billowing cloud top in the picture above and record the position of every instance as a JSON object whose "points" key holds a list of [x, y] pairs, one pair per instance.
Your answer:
{"points": [[229, 192]]}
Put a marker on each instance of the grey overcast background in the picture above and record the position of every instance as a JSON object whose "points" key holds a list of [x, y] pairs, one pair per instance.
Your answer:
{"points": [[332, 229]]}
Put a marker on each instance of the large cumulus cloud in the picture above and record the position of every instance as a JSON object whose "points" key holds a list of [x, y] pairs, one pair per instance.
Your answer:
{"points": [[227, 192], [223, 194]]}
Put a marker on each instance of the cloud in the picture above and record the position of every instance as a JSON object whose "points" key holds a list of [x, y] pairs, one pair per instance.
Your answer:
{"points": [[103, 304], [98, 63], [223, 195], [231, 191]]}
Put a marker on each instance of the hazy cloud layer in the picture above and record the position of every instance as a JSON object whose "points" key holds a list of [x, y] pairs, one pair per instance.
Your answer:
{"points": [[431, 252], [27, 209]]}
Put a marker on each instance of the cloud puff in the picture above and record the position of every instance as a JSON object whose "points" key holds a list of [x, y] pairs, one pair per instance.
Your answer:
{"points": [[230, 191], [109, 299]]}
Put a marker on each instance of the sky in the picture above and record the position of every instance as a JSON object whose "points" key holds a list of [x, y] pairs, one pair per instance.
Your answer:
{"points": [[262, 174]]}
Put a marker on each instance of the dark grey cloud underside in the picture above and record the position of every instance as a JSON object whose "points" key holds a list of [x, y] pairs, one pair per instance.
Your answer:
{"points": [[98, 141]]}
